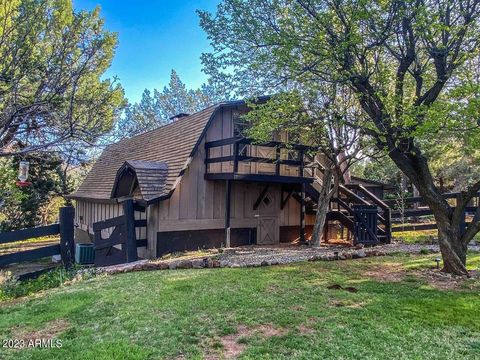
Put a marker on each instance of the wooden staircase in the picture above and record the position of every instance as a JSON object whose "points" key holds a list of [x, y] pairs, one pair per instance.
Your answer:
{"points": [[341, 207]]}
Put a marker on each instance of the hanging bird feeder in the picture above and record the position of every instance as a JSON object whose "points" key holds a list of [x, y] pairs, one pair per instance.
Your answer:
{"points": [[23, 174]]}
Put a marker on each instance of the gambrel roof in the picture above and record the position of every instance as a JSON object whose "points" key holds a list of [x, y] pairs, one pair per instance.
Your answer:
{"points": [[172, 145]]}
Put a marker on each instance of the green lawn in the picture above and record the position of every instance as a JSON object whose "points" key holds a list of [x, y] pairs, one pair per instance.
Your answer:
{"points": [[278, 312]]}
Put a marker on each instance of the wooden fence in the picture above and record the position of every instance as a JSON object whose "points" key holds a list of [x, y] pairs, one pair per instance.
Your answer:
{"points": [[65, 247], [414, 207], [121, 244]]}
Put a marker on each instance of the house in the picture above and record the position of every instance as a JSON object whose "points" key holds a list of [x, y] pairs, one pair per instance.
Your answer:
{"points": [[198, 182]]}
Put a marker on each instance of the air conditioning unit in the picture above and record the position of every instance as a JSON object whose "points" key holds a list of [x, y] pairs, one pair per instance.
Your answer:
{"points": [[84, 254]]}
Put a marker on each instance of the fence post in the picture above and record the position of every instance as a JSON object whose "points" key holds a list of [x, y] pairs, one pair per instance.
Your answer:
{"points": [[130, 242], [67, 244], [388, 225]]}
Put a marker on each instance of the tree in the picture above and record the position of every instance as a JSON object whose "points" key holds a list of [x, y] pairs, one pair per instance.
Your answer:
{"points": [[411, 64], [156, 110], [51, 63], [23, 207], [318, 118]]}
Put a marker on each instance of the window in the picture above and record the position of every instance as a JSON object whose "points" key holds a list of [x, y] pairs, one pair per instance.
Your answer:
{"points": [[267, 200]]}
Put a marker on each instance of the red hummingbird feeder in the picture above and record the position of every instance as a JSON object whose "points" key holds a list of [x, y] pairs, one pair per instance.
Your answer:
{"points": [[23, 174]]}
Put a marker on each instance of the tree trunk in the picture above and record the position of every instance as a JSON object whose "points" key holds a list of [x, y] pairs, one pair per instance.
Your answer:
{"points": [[452, 246], [322, 207], [454, 251]]}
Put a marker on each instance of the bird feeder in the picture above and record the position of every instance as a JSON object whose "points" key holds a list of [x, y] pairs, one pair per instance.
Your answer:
{"points": [[23, 168]]}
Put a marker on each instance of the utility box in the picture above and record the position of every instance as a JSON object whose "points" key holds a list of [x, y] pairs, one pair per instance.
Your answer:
{"points": [[84, 254]]}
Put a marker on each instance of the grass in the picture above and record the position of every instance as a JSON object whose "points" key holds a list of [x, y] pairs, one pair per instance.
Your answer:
{"points": [[421, 237], [190, 313]]}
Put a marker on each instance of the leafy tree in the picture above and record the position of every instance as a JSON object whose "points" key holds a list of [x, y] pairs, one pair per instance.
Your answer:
{"points": [[22, 207], [51, 63], [156, 109], [318, 120], [412, 65]]}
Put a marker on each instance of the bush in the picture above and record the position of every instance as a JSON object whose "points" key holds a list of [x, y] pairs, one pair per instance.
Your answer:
{"points": [[11, 287]]}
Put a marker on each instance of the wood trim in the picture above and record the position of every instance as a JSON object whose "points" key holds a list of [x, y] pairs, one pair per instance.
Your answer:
{"points": [[258, 178], [204, 224], [260, 198]]}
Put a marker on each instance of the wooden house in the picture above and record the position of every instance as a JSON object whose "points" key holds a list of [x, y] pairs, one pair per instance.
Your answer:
{"points": [[199, 182]]}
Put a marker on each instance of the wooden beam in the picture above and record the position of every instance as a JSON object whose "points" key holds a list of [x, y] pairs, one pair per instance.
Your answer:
{"points": [[233, 140], [260, 198], [302, 200], [258, 178], [19, 235], [255, 159], [235, 157], [105, 224], [277, 161], [284, 201], [67, 243], [130, 241], [228, 195], [29, 255]]}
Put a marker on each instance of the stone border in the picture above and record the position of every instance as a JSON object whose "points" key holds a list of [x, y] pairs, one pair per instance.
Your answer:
{"points": [[242, 257], [219, 261]]}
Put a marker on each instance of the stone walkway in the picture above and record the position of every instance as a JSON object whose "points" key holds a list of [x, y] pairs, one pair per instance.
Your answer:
{"points": [[254, 256]]}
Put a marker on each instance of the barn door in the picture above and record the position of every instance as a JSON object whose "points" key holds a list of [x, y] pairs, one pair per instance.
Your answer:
{"points": [[268, 230]]}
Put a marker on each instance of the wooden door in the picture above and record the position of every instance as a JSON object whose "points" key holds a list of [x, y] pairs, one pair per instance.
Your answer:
{"points": [[267, 233]]}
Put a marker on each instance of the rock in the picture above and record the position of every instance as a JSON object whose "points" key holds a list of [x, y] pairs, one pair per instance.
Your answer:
{"points": [[162, 265], [199, 263], [184, 264], [264, 263], [215, 264], [229, 251], [224, 263], [173, 265], [359, 254], [235, 265]]}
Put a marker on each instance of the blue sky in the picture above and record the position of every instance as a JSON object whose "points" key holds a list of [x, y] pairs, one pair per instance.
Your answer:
{"points": [[155, 37]]}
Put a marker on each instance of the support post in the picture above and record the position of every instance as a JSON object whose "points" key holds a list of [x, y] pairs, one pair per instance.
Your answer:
{"points": [[67, 243], [130, 241], [277, 160], [387, 213], [302, 200], [228, 193], [235, 157], [302, 214]]}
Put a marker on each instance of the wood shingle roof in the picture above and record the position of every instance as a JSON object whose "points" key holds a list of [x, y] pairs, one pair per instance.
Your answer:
{"points": [[172, 144]]}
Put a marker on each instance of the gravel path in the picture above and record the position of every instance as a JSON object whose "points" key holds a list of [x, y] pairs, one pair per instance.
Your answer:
{"points": [[253, 256]]}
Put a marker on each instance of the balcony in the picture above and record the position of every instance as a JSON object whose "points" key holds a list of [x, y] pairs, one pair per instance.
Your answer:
{"points": [[243, 159]]}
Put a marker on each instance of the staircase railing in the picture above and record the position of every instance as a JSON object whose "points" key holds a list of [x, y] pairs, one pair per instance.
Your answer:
{"points": [[386, 218]]}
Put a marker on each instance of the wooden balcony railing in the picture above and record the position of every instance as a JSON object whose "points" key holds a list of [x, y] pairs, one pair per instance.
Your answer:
{"points": [[234, 152]]}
